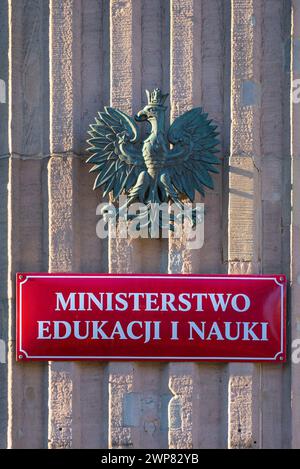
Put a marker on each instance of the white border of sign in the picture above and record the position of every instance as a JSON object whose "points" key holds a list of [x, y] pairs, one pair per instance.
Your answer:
{"points": [[181, 277]]}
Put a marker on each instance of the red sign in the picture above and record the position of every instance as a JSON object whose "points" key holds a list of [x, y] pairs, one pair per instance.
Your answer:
{"points": [[151, 317]]}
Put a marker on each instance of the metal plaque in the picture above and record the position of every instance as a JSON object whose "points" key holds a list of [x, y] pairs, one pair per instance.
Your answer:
{"points": [[151, 317]]}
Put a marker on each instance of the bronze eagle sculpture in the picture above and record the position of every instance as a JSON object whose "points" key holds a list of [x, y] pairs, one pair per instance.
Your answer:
{"points": [[161, 167]]}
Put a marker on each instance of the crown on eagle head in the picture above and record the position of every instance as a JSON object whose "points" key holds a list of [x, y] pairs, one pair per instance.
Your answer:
{"points": [[156, 97]]}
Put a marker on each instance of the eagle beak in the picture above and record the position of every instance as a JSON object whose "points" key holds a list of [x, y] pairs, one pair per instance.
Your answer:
{"points": [[140, 116]]}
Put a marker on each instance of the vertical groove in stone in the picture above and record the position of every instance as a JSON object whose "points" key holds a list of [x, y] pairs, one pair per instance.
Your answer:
{"points": [[3, 219], [91, 394], [64, 255], [27, 87], [197, 70], [274, 204], [286, 136], [152, 401], [295, 227], [185, 93], [226, 127], [244, 230], [152, 51], [209, 258], [125, 94], [165, 44], [92, 75], [286, 249]]}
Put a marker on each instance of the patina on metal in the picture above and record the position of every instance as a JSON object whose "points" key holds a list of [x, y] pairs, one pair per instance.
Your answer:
{"points": [[160, 168]]}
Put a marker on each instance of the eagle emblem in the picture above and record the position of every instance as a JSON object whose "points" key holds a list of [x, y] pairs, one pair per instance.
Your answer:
{"points": [[162, 166]]}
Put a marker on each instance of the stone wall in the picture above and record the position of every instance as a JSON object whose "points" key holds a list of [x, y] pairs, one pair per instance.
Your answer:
{"points": [[67, 59]]}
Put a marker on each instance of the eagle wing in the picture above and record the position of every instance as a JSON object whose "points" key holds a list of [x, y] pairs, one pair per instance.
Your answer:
{"points": [[193, 155], [116, 151]]}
